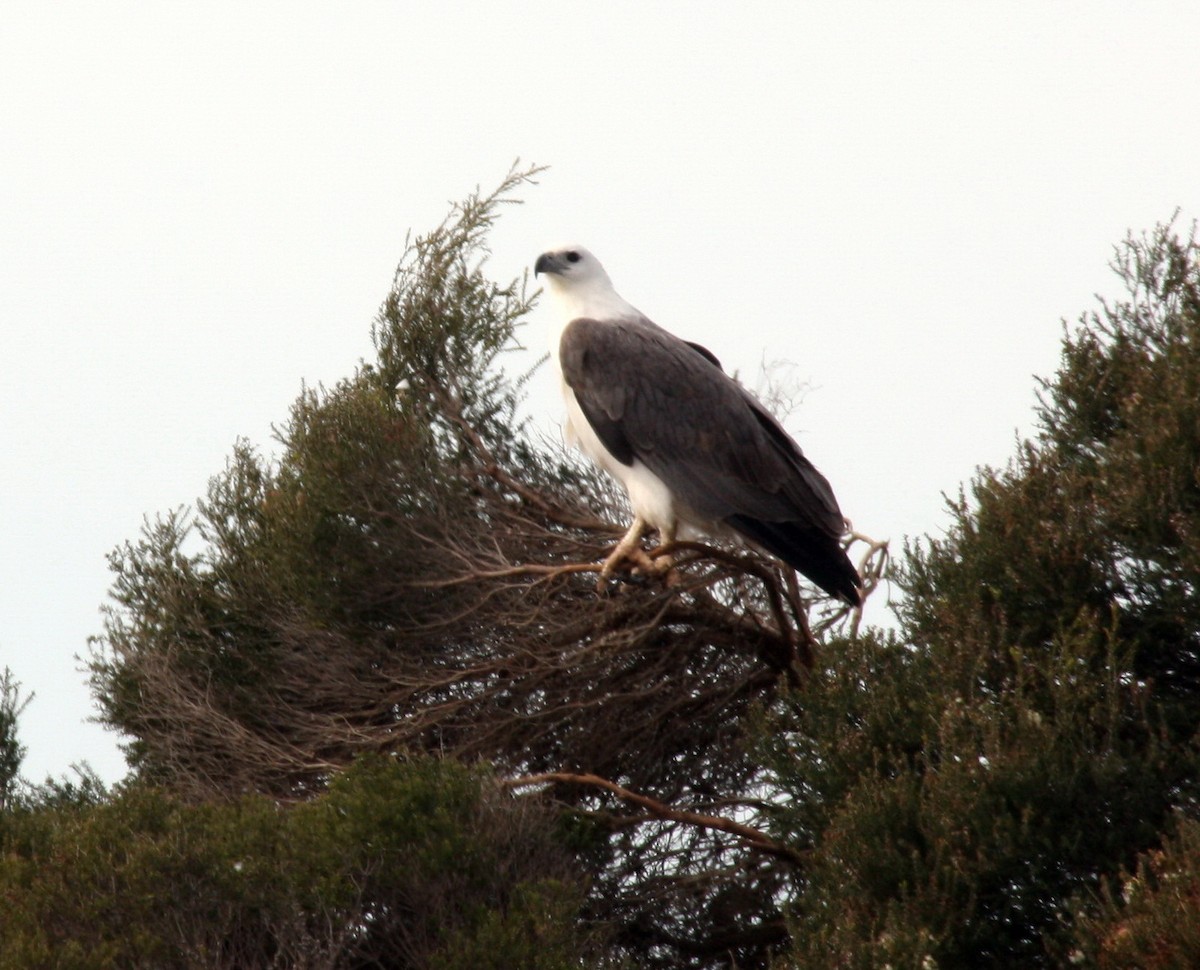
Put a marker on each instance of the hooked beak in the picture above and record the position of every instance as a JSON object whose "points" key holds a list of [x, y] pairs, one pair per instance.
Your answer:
{"points": [[548, 263]]}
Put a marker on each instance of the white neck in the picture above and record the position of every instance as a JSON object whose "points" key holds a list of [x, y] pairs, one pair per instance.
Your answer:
{"points": [[596, 300]]}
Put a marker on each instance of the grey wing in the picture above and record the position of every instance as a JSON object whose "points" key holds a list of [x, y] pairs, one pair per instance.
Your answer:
{"points": [[651, 396]]}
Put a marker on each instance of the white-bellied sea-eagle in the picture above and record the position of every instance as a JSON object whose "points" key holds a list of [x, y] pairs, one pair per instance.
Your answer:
{"points": [[695, 452]]}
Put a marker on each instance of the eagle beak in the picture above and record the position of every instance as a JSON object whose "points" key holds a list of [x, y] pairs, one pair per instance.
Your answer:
{"points": [[547, 263]]}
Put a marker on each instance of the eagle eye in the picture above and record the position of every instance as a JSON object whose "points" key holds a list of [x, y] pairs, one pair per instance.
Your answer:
{"points": [[573, 257]]}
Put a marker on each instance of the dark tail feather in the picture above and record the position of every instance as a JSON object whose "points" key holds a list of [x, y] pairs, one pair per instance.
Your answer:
{"points": [[812, 553]]}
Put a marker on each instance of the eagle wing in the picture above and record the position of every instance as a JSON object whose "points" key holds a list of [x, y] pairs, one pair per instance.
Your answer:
{"points": [[665, 402], [651, 396]]}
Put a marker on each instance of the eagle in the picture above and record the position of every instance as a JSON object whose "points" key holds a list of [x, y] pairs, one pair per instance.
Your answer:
{"points": [[695, 452]]}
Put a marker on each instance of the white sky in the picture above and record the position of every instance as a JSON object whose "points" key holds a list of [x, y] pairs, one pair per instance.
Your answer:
{"points": [[201, 206]]}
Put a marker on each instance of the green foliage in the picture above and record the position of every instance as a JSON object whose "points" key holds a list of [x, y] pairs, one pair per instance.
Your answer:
{"points": [[966, 786], [1149, 919], [950, 821], [406, 864], [301, 579], [12, 752], [1101, 512]]}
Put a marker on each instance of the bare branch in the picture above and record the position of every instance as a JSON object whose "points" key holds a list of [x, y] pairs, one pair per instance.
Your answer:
{"points": [[751, 836]]}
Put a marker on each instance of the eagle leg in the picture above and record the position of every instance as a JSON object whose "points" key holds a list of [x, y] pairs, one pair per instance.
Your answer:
{"points": [[629, 550], [663, 564], [624, 550]]}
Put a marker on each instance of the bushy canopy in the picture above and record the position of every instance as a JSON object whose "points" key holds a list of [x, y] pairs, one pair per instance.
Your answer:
{"points": [[967, 783], [402, 864], [413, 574]]}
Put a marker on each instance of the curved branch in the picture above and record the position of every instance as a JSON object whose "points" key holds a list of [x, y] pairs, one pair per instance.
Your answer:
{"points": [[751, 836]]}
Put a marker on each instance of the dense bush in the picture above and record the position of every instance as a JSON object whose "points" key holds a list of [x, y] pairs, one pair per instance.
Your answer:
{"points": [[1032, 727], [405, 864]]}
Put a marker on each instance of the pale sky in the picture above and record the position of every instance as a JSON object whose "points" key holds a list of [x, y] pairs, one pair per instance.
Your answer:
{"points": [[201, 206]]}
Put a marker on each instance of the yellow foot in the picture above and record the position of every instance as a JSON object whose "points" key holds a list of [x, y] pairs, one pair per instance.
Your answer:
{"points": [[630, 542], [638, 562]]}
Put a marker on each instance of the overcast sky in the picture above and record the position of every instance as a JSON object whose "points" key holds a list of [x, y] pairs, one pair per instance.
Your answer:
{"points": [[201, 206]]}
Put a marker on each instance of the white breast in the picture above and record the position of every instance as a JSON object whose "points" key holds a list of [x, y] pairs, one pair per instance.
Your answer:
{"points": [[649, 496]]}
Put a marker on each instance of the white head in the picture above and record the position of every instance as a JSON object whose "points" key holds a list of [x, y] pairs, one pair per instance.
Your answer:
{"points": [[579, 284]]}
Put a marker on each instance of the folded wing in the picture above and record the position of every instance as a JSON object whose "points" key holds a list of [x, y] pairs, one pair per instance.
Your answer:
{"points": [[653, 397]]}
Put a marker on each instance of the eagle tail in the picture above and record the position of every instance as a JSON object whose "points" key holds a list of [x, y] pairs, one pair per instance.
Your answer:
{"points": [[811, 552]]}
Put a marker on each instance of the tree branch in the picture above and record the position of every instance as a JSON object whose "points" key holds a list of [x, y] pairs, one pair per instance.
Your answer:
{"points": [[751, 836]]}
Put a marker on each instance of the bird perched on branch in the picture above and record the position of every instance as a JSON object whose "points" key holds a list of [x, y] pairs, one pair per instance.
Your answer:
{"points": [[695, 452]]}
